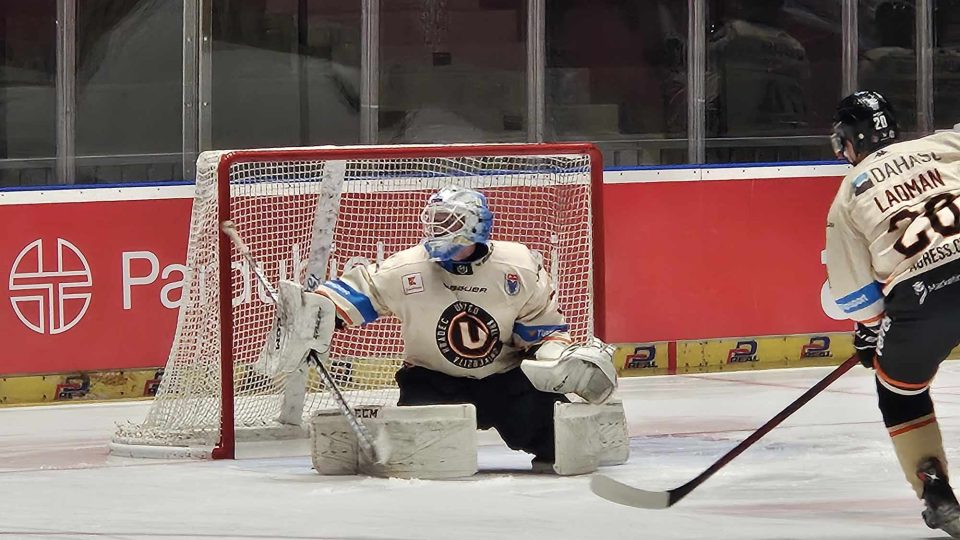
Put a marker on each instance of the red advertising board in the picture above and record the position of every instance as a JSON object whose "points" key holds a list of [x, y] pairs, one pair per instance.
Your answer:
{"points": [[93, 277], [90, 285], [709, 259]]}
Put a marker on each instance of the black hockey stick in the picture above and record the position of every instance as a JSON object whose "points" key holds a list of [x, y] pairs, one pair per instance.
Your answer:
{"points": [[618, 492]]}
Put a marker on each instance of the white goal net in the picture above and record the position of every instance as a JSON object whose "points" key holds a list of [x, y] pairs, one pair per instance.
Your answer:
{"points": [[284, 204]]}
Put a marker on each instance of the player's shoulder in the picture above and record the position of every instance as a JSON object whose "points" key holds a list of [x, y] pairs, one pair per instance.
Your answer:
{"points": [[516, 255], [923, 149], [404, 259], [899, 160], [854, 181], [902, 157], [944, 141]]}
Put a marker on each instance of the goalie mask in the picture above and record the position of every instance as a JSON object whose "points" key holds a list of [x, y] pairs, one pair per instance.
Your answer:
{"points": [[455, 218]]}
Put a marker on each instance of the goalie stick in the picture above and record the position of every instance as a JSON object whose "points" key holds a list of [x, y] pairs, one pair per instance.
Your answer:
{"points": [[620, 493], [364, 438]]}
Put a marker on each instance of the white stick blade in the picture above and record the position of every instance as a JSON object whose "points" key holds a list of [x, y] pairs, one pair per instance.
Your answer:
{"points": [[620, 493]]}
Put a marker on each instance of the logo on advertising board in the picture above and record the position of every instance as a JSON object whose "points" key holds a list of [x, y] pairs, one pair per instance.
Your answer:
{"points": [[745, 351], [818, 347], [50, 297], [643, 356], [75, 386], [151, 386]]}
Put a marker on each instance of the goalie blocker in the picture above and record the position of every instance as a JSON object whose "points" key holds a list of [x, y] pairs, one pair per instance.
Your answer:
{"points": [[303, 321]]}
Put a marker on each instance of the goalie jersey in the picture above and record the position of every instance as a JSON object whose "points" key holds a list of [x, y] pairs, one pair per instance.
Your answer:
{"points": [[895, 216], [464, 319]]}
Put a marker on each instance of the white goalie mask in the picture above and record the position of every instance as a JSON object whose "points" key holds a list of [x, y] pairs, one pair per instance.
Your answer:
{"points": [[455, 217]]}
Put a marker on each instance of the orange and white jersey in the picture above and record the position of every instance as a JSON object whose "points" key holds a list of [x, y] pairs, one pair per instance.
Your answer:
{"points": [[463, 319], [896, 215]]}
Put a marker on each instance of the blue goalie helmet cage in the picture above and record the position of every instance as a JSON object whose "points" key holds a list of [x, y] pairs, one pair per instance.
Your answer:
{"points": [[455, 217]]}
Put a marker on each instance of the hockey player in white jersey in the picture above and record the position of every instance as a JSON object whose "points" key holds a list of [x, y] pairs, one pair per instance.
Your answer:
{"points": [[893, 259], [480, 324]]}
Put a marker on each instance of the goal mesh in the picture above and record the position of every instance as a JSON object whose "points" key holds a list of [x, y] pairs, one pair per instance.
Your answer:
{"points": [[543, 201]]}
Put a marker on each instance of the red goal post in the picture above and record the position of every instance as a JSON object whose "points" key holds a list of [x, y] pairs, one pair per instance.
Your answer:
{"points": [[319, 211]]}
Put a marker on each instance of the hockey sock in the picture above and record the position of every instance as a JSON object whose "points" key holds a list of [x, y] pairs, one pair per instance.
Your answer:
{"points": [[914, 430]]}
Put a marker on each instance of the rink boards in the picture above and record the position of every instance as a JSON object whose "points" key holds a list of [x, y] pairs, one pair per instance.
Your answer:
{"points": [[693, 256]]}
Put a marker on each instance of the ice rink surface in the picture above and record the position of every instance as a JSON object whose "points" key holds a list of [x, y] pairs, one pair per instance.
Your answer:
{"points": [[828, 473]]}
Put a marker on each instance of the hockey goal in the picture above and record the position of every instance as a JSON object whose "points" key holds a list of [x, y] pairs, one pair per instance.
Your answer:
{"points": [[318, 212]]}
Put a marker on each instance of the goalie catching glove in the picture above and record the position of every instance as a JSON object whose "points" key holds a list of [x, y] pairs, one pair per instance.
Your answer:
{"points": [[304, 321], [584, 369]]}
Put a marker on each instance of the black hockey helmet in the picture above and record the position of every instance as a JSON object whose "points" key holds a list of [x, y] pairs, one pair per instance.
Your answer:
{"points": [[866, 119]]}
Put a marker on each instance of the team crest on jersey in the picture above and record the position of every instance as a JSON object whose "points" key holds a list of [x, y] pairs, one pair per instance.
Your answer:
{"points": [[468, 336], [511, 284], [412, 283]]}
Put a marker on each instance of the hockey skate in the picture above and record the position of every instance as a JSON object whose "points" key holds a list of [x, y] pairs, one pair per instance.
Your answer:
{"points": [[942, 510]]}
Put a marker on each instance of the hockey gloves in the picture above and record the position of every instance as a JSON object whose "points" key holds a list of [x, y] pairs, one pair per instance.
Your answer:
{"points": [[865, 342]]}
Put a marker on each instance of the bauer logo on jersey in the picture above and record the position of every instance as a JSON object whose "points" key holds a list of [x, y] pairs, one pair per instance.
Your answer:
{"points": [[745, 351], [468, 336], [818, 347], [412, 283], [511, 284]]}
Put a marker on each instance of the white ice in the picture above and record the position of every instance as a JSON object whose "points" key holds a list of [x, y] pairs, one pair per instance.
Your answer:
{"points": [[828, 473]]}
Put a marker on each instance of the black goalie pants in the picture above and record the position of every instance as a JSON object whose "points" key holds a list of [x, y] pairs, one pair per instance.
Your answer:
{"points": [[521, 414]]}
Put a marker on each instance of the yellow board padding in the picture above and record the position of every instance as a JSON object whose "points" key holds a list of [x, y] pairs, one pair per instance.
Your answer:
{"points": [[631, 359], [735, 354], [81, 386], [732, 354], [743, 354]]}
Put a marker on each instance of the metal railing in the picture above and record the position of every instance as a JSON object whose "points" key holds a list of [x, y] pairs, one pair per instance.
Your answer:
{"points": [[641, 152], [132, 168], [128, 168]]}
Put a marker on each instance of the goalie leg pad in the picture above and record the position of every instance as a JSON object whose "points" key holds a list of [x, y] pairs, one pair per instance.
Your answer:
{"points": [[428, 441], [333, 445], [588, 436], [614, 434], [303, 321]]}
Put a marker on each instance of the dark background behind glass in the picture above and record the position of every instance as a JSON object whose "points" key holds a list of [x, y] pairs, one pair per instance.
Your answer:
{"points": [[285, 73], [453, 71], [774, 69], [28, 98], [946, 64], [888, 58], [129, 90]]}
